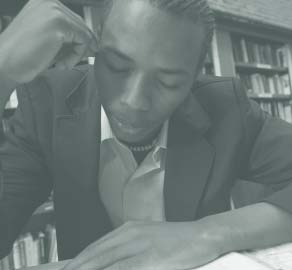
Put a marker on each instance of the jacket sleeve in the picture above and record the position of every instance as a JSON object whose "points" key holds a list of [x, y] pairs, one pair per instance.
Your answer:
{"points": [[24, 178], [268, 155]]}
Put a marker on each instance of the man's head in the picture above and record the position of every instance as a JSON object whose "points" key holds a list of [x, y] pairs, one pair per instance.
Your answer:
{"points": [[150, 54]]}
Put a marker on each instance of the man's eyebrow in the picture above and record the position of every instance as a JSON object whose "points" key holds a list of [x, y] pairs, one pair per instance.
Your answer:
{"points": [[118, 53]]}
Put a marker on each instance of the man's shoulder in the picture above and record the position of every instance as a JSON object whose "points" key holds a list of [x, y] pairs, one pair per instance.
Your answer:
{"points": [[220, 95], [225, 87]]}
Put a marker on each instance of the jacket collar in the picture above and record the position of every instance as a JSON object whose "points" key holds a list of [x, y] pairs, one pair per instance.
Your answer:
{"points": [[191, 111], [81, 95]]}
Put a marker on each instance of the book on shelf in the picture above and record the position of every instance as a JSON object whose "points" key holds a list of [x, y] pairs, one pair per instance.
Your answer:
{"points": [[265, 85], [280, 109], [249, 50], [31, 250]]}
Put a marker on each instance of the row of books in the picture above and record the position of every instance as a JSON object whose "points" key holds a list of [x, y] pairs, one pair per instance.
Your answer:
{"points": [[261, 84], [249, 51], [278, 109], [31, 250]]}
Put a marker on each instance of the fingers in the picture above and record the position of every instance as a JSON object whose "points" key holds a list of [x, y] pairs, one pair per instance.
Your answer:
{"points": [[98, 254], [79, 23], [105, 259], [75, 46], [80, 36], [75, 40], [119, 245]]}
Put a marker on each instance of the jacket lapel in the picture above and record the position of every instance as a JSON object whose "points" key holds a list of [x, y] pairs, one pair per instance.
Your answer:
{"points": [[189, 160], [83, 217]]}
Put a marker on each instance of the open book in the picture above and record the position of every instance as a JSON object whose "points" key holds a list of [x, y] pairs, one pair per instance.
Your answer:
{"points": [[234, 261], [230, 261], [275, 258]]}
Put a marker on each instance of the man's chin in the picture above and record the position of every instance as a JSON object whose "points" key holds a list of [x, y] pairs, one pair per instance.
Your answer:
{"points": [[129, 137], [128, 133]]}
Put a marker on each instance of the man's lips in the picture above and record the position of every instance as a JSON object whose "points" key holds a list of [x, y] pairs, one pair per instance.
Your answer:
{"points": [[124, 124]]}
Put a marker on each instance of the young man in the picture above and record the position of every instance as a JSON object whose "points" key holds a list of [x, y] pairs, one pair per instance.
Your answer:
{"points": [[146, 179]]}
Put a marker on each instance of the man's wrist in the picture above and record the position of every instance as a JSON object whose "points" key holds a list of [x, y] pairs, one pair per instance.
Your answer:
{"points": [[219, 237]]}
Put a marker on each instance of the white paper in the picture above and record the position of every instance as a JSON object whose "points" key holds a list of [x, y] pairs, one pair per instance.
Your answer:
{"points": [[234, 261], [279, 257]]}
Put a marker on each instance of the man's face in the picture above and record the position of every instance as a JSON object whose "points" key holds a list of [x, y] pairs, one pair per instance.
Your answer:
{"points": [[145, 67]]}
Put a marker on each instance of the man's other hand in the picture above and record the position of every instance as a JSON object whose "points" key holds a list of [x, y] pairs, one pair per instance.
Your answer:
{"points": [[150, 245], [45, 32]]}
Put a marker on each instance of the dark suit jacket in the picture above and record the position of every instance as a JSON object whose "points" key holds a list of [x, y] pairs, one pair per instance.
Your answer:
{"points": [[52, 142]]}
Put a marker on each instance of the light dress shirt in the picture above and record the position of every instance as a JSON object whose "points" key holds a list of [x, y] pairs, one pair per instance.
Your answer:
{"points": [[128, 191]]}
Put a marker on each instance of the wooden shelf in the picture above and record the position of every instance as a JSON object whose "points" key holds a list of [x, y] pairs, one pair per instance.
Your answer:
{"points": [[270, 97], [254, 67]]}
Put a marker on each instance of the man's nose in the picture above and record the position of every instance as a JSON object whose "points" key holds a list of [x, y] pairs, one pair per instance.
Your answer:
{"points": [[137, 93]]}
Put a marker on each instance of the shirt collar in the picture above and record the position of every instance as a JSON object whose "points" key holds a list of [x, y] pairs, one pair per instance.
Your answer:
{"points": [[106, 130], [107, 133]]}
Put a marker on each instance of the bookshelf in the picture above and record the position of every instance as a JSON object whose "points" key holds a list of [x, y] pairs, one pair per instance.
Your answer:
{"points": [[244, 48], [261, 58], [37, 243], [262, 65]]}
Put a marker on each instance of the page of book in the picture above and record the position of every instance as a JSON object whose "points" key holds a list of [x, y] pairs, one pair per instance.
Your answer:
{"points": [[49, 266], [234, 261], [230, 261], [279, 257]]}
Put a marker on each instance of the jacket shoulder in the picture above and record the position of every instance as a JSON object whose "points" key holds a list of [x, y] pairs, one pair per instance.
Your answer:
{"points": [[221, 95]]}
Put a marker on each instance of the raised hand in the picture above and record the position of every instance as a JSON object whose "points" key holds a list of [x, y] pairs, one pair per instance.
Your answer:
{"points": [[45, 32]]}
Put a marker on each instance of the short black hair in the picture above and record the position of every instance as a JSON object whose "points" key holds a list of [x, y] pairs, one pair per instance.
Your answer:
{"points": [[193, 10]]}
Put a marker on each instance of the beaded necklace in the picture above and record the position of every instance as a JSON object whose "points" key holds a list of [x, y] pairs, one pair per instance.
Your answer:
{"points": [[143, 148]]}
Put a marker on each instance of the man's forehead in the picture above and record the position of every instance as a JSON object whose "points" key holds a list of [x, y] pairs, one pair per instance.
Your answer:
{"points": [[141, 24]]}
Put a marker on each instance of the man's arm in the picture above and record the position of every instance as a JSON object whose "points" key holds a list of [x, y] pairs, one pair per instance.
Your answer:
{"points": [[269, 162], [45, 32], [255, 226]]}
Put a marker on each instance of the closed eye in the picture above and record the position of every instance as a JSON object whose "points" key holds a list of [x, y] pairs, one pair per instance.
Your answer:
{"points": [[170, 86]]}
